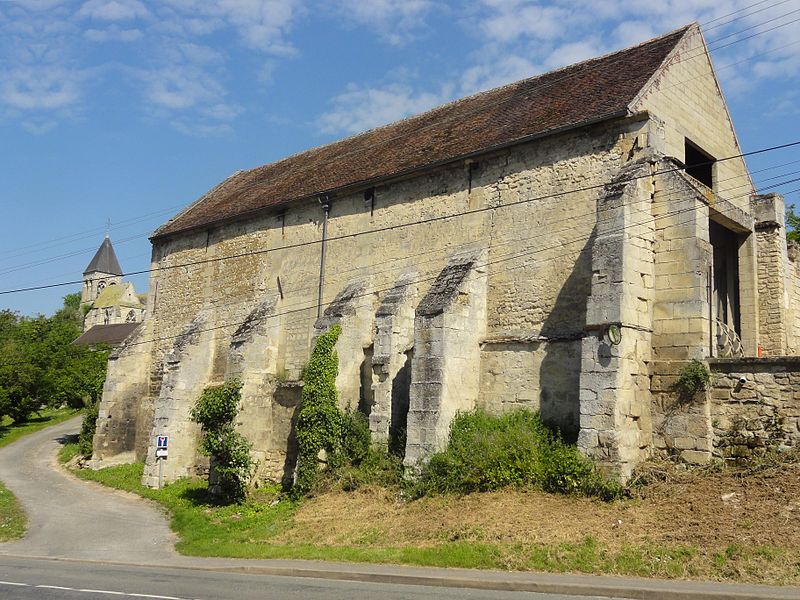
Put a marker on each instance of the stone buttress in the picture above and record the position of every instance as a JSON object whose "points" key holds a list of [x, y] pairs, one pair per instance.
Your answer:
{"points": [[445, 368]]}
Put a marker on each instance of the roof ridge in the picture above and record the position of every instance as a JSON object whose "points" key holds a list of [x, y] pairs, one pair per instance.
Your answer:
{"points": [[464, 99], [585, 92]]}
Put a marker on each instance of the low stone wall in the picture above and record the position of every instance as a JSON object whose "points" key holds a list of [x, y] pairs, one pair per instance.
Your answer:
{"points": [[755, 405]]}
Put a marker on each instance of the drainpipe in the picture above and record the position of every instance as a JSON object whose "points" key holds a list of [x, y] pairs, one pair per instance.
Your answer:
{"points": [[325, 202]]}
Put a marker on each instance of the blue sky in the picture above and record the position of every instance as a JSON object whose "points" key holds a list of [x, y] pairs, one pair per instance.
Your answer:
{"points": [[128, 110]]}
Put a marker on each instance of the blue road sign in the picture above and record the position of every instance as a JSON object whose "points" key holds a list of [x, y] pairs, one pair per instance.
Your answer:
{"points": [[162, 441]]}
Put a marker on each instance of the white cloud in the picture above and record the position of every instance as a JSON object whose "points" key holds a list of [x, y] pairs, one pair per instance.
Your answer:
{"points": [[113, 34], [180, 87], [395, 21], [504, 70], [39, 127], [113, 10], [510, 21], [260, 24], [39, 88], [358, 108]]}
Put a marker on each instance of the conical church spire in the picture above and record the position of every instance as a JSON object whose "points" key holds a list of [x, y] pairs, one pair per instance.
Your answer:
{"points": [[105, 260]]}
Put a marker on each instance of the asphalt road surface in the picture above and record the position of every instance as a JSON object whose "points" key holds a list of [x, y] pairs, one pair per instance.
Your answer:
{"points": [[87, 541], [75, 519], [25, 578]]}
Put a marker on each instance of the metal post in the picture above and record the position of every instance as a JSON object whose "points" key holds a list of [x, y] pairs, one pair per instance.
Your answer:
{"points": [[326, 206], [160, 471]]}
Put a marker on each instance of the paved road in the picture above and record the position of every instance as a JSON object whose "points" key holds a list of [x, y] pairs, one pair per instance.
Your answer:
{"points": [[86, 541], [71, 518], [46, 579]]}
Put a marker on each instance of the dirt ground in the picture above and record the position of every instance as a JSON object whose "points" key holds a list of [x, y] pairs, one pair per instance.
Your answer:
{"points": [[703, 509]]}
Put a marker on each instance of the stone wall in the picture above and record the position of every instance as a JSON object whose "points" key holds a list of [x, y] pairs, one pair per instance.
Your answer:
{"points": [[687, 99], [774, 277], [123, 422], [535, 270], [754, 405], [547, 263], [615, 418], [793, 285]]}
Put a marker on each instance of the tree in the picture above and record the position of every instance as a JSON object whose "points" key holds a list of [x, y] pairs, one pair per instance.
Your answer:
{"points": [[40, 366], [792, 224]]}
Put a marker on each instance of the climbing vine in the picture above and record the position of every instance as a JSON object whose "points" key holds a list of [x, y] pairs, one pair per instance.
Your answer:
{"points": [[229, 450], [319, 425]]}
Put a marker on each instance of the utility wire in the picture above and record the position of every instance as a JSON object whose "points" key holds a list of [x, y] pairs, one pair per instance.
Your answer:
{"points": [[398, 226], [539, 88]]}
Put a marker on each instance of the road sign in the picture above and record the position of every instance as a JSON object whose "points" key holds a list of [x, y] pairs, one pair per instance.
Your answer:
{"points": [[162, 441]]}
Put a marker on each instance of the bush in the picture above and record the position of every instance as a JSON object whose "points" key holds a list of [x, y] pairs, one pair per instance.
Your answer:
{"points": [[231, 463], [486, 453], [694, 378], [88, 427], [357, 463]]}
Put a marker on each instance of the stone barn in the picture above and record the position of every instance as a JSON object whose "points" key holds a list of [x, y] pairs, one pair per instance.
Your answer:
{"points": [[566, 244]]}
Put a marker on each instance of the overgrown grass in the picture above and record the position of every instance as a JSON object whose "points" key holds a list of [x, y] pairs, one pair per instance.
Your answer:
{"points": [[11, 432], [12, 517], [252, 530]]}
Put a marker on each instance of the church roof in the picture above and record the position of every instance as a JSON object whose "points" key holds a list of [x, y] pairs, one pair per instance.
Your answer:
{"points": [[117, 295], [105, 260], [588, 92], [111, 335]]}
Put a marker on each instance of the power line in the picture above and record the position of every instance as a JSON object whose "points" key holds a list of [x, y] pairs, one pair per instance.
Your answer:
{"points": [[741, 16], [398, 226], [539, 88], [370, 292]]}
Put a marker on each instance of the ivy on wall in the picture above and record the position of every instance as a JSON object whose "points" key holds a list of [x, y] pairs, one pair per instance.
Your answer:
{"points": [[231, 463], [319, 424]]}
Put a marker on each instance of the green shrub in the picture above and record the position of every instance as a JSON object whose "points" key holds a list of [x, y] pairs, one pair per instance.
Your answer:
{"points": [[88, 427], [319, 424], [486, 453], [231, 463], [694, 378]]}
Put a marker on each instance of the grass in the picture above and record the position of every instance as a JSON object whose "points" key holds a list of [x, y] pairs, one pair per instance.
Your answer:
{"points": [[12, 517], [11, 432], [270, 526]]}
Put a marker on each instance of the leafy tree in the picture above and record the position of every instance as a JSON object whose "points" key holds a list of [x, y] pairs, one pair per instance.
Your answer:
{"points": [[40, 366], [792, 224]]}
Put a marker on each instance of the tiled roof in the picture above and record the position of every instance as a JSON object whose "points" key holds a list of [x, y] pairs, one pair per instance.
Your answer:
{"points": [[583, 93], [104, 260], [111, 335]]}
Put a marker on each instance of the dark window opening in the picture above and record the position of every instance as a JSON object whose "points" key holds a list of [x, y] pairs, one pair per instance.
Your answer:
{"points": [[725, 281], [698, 164], [401, 393], [369, 200]]}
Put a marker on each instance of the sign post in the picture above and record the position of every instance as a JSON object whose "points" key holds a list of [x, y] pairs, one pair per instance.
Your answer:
{"points": [[162, 442]]}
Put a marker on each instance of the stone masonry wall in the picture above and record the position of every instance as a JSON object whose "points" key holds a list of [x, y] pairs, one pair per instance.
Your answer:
{"points": [[187, 372], [127, 383], [686, 98], [793, 284], [537, 271], [774, 275], [755, 405], [450, 322], [614, 395]]}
